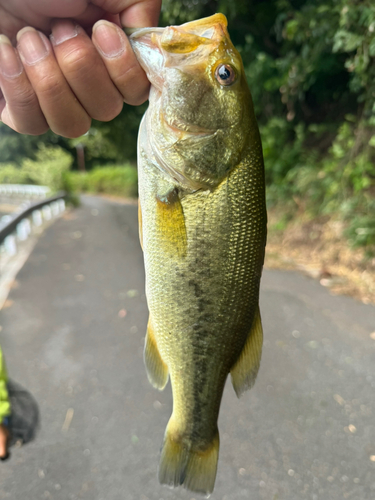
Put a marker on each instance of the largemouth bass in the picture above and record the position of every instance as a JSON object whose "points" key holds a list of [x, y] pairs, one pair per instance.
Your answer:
{"points": [[203, 231]]}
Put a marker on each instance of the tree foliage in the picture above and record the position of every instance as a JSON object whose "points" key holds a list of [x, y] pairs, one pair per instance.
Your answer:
{"points": [[49, 166], [310, 65]]}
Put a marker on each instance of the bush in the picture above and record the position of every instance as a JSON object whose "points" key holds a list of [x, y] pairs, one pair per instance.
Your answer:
{"points": [[46, 170], [75, 182], [49, 167], [114, 180], [10, 174], [339, 183]]}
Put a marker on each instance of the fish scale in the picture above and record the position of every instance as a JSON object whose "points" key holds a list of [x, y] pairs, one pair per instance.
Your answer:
{"points": [[203, 232]]}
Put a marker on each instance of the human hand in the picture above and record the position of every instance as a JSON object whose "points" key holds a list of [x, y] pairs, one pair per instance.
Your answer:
{"points": [[64, 82], [4, 441]]}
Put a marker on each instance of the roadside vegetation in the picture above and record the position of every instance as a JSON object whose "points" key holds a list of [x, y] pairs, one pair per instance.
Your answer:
{"points": [[310, 65], [114, 180], [52, 167]]}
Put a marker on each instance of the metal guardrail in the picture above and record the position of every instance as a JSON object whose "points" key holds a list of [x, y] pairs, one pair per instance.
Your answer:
{"points": [[24, 190], [18, 225]]}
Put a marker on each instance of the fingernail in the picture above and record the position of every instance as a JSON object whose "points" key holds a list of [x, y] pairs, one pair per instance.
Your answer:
{"points": [[63, 30], [10, 65], [108, 39], [31, 46]]}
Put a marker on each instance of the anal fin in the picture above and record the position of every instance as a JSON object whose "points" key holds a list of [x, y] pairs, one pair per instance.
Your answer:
{"points": [[246, 368], [157, 370]]}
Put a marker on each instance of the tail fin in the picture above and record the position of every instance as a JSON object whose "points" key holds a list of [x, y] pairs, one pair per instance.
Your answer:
{"points": [[182, 464]]}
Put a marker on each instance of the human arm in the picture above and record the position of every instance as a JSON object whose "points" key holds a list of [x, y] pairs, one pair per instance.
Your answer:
{"points": [[5, 409], [4, 397]]}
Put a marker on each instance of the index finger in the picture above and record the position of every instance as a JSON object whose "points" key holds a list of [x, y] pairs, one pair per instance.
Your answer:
{"points": [[141, 14], [133, 13], [115, 49], [120, 61]]}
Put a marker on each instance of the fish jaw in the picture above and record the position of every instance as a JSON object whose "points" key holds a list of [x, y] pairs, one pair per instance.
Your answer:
{"points": [[145, 45]]}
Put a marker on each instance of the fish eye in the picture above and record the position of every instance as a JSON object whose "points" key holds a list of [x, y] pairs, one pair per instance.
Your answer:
{"points": [[225, 74]]}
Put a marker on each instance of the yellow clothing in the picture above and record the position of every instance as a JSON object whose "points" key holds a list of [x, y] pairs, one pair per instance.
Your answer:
{"points": [[4, 397]]}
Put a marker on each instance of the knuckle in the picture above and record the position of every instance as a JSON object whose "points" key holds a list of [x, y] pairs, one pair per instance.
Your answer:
{"points": [[110, 112], [137, 100], [24, 101], [75, 61], [49, 87], [133, 94], [26, 113], [74, 131], [132, 72], [35, 129]]}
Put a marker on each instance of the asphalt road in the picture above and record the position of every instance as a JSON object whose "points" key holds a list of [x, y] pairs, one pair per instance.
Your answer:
{"points": [[73, 335]]}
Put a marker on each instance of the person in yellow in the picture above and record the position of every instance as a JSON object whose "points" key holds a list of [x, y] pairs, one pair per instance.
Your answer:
{"points": [[5, 409]]}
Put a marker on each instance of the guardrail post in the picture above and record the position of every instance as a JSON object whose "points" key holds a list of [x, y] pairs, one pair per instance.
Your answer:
{"points": [[10, 245], [47, 212], [55, 208], [22, 231], [37, 218], [61, 205], [27, 224]]}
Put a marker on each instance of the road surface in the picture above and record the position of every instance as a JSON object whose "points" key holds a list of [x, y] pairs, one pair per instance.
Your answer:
{"points": [[73, 334]]}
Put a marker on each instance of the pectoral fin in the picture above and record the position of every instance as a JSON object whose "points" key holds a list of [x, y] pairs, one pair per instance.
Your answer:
{"points": [[157, 370], [171, 223], [246, 368]]}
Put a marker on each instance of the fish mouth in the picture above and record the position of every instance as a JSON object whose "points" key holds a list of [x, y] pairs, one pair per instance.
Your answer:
{"points": [[156, 47], [186, 37], [135, 33]]}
